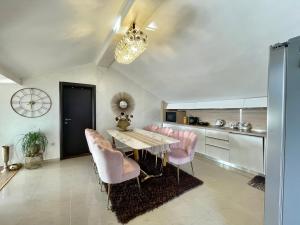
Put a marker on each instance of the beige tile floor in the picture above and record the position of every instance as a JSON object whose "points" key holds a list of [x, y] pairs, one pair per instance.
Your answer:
{"points": [[67, 193]]}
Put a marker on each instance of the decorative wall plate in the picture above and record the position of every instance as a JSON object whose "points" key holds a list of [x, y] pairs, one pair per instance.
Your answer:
{"points": [[122, 102], [31, 102]]}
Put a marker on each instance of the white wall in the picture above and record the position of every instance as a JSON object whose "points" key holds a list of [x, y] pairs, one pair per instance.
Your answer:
{"points": [[147, 106], [108, 82]]}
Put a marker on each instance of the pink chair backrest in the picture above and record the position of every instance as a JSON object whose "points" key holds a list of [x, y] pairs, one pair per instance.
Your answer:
{"points": [[188, 140], [93, 137], [109, 164], [89, 135], [151, 127], [165, 131]]}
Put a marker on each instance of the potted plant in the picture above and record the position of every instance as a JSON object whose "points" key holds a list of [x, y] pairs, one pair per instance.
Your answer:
{"points": [[33, 146]]}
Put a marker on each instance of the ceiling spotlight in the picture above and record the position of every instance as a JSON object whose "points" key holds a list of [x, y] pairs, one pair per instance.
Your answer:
{"points": [[117, 25], [152, 26]]}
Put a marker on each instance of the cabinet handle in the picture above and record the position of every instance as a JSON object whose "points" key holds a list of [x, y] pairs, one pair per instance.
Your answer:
{"points": [[217, 138], [218, 147]]}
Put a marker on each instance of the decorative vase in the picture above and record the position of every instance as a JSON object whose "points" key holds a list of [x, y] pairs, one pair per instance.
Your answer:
{"points": [[5, 154], [123, 124]]}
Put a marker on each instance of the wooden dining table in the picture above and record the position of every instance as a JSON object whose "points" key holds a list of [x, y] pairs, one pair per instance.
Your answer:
{"points": [[139, 139]]}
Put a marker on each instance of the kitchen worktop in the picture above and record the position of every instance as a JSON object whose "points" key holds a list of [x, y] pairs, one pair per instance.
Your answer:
{"points": [[227, 129]]}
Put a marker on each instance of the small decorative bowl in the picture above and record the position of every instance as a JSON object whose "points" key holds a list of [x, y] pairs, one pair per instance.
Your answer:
{"points": [[14, 167]]}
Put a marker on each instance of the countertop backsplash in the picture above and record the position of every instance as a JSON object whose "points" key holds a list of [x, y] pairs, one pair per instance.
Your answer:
{"points": [[257, 117]]}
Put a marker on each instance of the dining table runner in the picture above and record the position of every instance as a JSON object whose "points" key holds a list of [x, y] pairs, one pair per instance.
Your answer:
{"points": [[152, 141], [143, 139]]}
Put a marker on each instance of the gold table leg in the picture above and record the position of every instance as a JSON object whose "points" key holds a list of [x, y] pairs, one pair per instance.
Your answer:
{"points": [[165, 159], [136, 154]]}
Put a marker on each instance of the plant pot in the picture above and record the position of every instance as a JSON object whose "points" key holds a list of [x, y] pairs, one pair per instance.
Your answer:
{"points": [[123, 124], [34, 150], [33, 162]]}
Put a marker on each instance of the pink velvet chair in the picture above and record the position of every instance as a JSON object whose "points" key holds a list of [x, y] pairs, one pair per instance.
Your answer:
{"points": [[93, 137], [90, 136], [113, 168], [164, 131], [152, 128], [183, 152]]}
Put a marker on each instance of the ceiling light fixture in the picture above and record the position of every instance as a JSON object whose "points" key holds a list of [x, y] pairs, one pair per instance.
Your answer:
{"points": [[132, 44]]}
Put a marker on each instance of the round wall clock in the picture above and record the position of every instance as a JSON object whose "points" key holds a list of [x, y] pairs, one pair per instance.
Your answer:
{"points": [[31, 102]]}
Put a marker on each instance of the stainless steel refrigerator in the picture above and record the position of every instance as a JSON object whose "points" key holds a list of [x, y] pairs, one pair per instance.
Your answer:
{"points": [[282, 196]]}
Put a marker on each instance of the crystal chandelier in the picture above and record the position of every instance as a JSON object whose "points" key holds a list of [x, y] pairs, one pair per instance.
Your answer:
{"points": [[133, 43]]}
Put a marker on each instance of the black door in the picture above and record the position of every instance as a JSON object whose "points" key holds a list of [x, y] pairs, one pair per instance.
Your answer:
{"points": [[77, 112]]}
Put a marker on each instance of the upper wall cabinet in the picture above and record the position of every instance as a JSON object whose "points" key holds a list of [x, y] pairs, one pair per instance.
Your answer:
{"points": [[224, 104], [255, 102]]}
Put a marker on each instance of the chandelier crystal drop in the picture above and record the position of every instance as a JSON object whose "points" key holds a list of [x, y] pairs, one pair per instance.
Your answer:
{"points": [[132, 44]]}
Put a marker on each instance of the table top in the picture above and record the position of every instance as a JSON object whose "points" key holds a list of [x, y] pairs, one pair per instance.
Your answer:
{"points": [[141, 139]]}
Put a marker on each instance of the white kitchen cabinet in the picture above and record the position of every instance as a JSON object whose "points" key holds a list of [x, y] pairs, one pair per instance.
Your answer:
{"points": [[217, 142], [222, 104], [217, 153], [223, 135], [244, 151], [200, 146], [247, 152], [170, 125], [255, 102]]}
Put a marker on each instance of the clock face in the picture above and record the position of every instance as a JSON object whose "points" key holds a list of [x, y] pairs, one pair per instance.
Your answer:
{"points": [[31, 102]]}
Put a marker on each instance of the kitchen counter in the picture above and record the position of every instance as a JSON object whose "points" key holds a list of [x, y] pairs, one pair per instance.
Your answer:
{"points": [[229, 130]]}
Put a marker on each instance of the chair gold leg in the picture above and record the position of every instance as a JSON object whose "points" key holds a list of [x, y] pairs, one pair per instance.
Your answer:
{"points": [[95, 168], [108, 195], [178, 174], [101, 185], [138, 182], [192, 168], [155, 160]]}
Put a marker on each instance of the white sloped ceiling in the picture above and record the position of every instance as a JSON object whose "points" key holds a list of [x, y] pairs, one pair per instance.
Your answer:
{"points": [[212, 49], [42, 36], [202, 49]]}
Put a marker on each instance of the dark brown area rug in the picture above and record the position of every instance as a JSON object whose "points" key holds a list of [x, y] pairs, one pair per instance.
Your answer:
{"points": [[127, 202], [258, 182]]}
